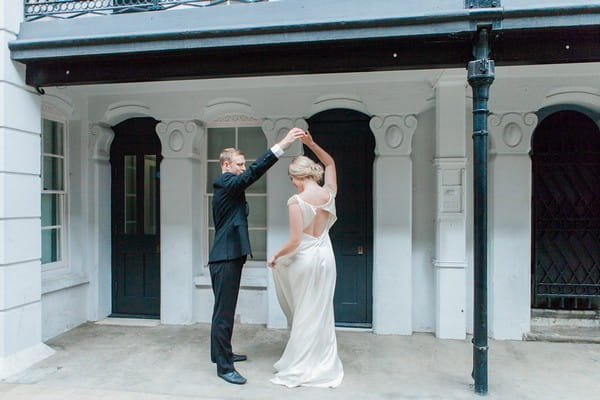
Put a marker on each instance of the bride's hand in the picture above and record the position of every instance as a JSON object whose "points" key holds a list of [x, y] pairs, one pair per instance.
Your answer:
{"points": [[307, 138], [271, 262]]}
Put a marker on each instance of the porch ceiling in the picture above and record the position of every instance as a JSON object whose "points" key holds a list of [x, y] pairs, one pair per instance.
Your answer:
{"points": [[168, 45]]}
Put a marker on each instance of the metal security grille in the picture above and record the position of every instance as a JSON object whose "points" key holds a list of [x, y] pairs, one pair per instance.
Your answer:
{"points": [[35, 9], [566, 209]]}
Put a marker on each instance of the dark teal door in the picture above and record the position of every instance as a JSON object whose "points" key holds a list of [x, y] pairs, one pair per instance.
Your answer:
{"points": [[135, 159], [346, 135]]}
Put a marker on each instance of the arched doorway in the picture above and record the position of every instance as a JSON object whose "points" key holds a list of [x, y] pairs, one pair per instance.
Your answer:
{"points": [[346, 135], [135, 157], [566, 213]]}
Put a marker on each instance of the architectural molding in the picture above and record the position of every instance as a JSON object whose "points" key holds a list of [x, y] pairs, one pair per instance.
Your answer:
{"points": [[181, 139], [341, 100], [511, 132], [586, 97], [275, 129], [393, 134], [450, 264], [101, 138], [229, 111], [124, 110], [57, 106]]}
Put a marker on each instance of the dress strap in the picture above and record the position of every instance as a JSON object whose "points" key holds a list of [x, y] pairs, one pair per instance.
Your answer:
{"points": [[330, 190], [293, 200]]}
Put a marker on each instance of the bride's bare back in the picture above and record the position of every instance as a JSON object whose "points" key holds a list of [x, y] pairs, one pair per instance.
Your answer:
{"points": [[317, 198]]}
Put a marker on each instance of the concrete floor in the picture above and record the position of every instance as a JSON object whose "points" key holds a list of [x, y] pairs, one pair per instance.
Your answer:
{"points": [[94, 362]]}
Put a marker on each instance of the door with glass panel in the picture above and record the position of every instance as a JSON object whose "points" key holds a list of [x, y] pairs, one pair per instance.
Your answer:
{"points": [[135, 164]]}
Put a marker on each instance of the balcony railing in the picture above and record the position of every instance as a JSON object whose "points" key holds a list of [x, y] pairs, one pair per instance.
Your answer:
{"points": [[35, 9]]}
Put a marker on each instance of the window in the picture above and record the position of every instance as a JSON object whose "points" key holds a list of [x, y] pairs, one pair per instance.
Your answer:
{"points": [[54, 193], [253, 143]]}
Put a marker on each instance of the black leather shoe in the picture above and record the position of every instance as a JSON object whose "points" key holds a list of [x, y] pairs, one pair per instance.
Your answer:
{"points": [[236, 358], [233, 377]]}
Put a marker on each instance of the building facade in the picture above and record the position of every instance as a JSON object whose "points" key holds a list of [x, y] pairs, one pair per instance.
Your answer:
{"points": [[110, 134]]}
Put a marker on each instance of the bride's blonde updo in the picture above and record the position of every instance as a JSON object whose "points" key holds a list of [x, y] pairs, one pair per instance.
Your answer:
{"points": [[303, 167]]}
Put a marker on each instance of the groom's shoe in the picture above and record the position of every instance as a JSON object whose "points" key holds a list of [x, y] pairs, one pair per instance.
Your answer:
{"points": [[236, 358], [233, 377]]}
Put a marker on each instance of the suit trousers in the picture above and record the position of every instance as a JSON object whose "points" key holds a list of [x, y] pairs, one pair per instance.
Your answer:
{"points": [[225, 277]]}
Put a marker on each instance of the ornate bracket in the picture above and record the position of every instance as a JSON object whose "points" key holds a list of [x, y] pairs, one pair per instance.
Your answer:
{"points": [[510, 133], [181, 139], [276, 129], [101, 137], [393, 134]]}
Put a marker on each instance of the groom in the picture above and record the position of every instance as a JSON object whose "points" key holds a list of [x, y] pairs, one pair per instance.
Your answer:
{"points": [[232, 245]]}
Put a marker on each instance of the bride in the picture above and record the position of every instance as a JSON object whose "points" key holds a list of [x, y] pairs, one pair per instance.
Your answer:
{"points": [[304, 273]]}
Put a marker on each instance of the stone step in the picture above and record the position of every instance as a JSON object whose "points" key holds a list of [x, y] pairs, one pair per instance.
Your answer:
{"points": [[564, 334], [581, 319], [564, 326]]}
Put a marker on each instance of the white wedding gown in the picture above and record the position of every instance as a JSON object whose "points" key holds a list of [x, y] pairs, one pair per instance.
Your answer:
{"points": [[305, 288]]}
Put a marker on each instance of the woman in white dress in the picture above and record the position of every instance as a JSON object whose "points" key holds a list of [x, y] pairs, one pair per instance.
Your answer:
{"points": [[304, 273]]}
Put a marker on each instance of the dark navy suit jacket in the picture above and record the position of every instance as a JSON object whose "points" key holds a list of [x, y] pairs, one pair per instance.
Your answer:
{"points": [[230, 210]]}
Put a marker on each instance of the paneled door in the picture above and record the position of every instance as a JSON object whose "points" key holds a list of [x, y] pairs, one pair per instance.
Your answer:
{"points": [[135, 164], [346, 135]]}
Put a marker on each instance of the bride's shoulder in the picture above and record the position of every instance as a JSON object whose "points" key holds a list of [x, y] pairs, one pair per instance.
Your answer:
{"points": [[293, 200]]}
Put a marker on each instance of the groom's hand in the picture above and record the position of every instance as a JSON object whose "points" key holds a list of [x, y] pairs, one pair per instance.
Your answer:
{"points": [[292, 135]]}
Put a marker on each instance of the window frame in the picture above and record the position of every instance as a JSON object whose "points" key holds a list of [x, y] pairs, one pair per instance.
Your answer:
{"points": [[63, 262], [241, 123]]}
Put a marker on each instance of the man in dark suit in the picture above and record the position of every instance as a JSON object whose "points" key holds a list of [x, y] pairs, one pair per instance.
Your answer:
{"points": [[232, 245]]}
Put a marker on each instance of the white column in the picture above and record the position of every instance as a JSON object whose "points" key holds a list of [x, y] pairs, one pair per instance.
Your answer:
{"points": [[450, 230], [100, 296], [181, 213], [509, 224], [392, 224], [279, 190], [20, 225]]}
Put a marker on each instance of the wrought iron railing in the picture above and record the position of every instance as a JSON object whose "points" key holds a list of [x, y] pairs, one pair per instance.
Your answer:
{"points": [[36, 9]]}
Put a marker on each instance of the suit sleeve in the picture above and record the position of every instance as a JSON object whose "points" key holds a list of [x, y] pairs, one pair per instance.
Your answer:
{"points": [[252, 174]]}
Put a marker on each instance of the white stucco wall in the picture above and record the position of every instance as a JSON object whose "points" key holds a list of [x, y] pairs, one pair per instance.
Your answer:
{"points": [[83, 291], [20, 233]]}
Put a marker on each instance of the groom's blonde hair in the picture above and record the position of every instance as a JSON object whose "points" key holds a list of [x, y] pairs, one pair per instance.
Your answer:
{"points": [[228, 153], [303, 167]]}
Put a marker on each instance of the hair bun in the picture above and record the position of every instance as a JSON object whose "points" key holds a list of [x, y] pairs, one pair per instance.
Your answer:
{"points": [[304, 167]]}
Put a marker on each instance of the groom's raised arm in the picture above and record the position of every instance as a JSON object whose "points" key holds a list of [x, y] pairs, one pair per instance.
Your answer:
{"points": [[263, 163]]}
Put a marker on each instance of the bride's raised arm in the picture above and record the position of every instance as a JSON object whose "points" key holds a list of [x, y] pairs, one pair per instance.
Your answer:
{"points": [[330, 176]]}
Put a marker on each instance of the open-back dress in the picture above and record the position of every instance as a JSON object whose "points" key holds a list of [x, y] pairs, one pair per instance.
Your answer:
{"points": [[305, 284]]}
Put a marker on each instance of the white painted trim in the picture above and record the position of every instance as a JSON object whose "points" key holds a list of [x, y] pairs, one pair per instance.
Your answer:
{"points": [[252, 278], [341, 100], [587, 97], [124, 110], [226, 111], [55, 105], [50, 113], [62, 281]]}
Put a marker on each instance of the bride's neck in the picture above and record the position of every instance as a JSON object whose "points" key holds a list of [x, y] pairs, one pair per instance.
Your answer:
{"points": [[308, 184]]}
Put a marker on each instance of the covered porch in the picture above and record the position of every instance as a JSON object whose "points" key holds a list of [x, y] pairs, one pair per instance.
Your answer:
{"points": [[160, 362]]}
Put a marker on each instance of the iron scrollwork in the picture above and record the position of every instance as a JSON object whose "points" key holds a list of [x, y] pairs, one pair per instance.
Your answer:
{"points": [[36, 9]]}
